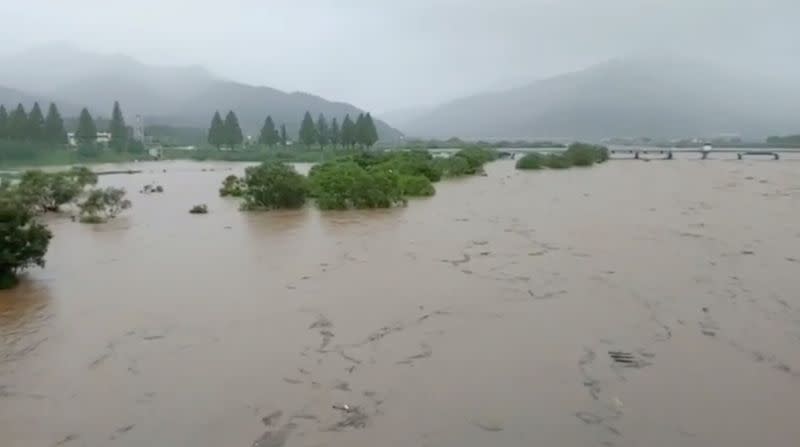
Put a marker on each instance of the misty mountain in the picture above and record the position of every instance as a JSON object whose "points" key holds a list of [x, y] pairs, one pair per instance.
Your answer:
{"points": [[11, 97], [181, 96], [655, 96]]}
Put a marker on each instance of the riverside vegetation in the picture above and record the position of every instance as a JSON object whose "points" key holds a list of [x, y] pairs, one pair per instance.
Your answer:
{"points": [[577, 154], [358, 180], [22, 201]]}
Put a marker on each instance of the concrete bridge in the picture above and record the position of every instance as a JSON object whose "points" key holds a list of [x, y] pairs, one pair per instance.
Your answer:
{"points": [[669, 154]]}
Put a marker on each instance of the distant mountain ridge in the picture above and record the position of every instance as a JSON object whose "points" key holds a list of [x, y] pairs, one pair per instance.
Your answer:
{"points": [[658, 96], [181, 96]]}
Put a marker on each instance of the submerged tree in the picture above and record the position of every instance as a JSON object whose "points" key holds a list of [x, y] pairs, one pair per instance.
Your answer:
{"points": [[25, 241], [273, 186], [103, 204], [48, 191]]}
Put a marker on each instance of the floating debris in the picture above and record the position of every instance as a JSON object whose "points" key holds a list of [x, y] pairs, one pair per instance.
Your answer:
{"points": [[271, 418], [625, 359]]}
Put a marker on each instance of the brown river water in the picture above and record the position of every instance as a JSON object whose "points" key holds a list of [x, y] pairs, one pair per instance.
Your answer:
{"points": [[631, 304]]}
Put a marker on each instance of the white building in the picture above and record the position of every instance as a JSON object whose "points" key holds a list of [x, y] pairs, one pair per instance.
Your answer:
{"points": [[102, 138]]}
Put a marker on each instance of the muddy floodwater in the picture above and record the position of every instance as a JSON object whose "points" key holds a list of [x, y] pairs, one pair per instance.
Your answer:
{"points": [[631, 304]]}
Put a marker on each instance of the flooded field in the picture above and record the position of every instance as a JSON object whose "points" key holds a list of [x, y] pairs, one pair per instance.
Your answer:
{"points": [[631, 304]]}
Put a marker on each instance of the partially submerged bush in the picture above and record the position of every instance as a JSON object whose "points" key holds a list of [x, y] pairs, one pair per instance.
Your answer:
{"points": [[199, 209], [578, 154], [414, 163], [557, 161], [47, 191], [344, 185], [468, 161], [24, 241], [232, 186], [272, 185], [531, 161], [453, 166], [477, 157], [416, 186], [583, 154], [152, 188], [102, 204]]}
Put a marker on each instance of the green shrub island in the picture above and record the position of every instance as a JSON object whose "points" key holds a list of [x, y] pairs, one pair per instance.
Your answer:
{"points": [[345, 184], [358, 180], [577, 154], [273, 185], [416, 186]]}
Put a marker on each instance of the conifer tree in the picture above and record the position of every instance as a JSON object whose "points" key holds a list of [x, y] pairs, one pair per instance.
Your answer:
{"points": [[216, 132], [370, 132], [269, 135], [359, 131], [54, 131], [3, 122], [35, 131], [118, 129], [335, 135], [87, 130], [348, 132], [308, 131], [18, 123], [233, 133], [323, 132]]}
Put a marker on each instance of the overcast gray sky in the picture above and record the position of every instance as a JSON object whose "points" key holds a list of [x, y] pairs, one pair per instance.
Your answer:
{"points": [[387, 54]]}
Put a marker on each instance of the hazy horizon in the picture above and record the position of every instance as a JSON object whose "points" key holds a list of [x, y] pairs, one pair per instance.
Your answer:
{"points": [[383, 55]]}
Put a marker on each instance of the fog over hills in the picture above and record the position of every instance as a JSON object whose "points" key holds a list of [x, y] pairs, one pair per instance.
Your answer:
{"points": [[659, 95], [184, 96]]}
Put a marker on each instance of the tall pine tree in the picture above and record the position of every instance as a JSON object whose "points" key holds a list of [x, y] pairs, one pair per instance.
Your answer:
{"points": [[54, 126], [359, 132], [87, 130], [3, 122], [18, 123], [233, 133], [269, 135], [118, 129], [335, 135], [284, 137], [308, 132], [323, 132], [348, 132], [35, 124], [216, 132], [370, 132]]}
